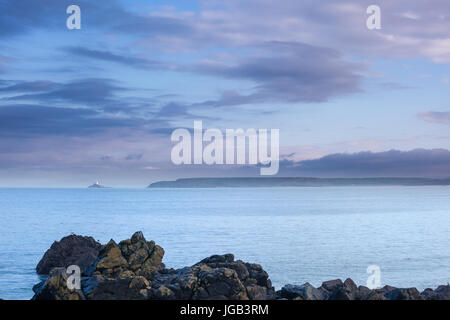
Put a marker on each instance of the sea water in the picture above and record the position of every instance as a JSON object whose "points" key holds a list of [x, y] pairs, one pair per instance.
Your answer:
{"points": [[297, 234]]}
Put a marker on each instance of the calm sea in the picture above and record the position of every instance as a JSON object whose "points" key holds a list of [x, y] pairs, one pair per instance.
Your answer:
{"points": [[296, 234]]}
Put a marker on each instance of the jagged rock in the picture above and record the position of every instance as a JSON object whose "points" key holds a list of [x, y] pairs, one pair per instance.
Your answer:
{"points": [[216, 277], [152, 264], [55, 288], [365, 293], [255, 292], [225, 258], [110, 261], [227, 261], [441, 293], [222, 284], [162, 293], [329, 290], [331, 285], [304, 292], [131, 257], [347, 291], [392, 293], [71, 250]]}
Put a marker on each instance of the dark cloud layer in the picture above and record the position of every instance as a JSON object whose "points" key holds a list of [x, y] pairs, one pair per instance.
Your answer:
{"points": [[393, 163], [21, 17], [27, 86], [85, 91], [24, 119], [289, 72], [116, 58]]}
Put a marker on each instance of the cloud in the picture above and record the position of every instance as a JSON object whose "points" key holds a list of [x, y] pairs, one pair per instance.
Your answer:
{"points": [[434, 163], [288, 72], [3, 61], [436, 117], [98, 92], [281, 72], [393, 86], [393, 163], [27, 86], [17, 120], [419, 29], [176, 110], [341, 25], [25, 16], [117, 58]]}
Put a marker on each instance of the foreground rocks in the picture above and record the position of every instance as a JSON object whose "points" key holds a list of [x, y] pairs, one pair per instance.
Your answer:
{"points": [[348, 290], [133, 269]]}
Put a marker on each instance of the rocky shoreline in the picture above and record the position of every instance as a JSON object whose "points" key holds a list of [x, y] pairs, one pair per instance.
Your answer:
{"points": [[133, 270]]}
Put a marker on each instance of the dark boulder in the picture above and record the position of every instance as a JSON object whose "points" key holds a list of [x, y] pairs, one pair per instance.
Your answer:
{"points": [[71, 250], [441, 293], [393, 293], [218, 277], [225, 258], [345, 291], [331, 285], [103, 288], [303, 292], [365, 293]]}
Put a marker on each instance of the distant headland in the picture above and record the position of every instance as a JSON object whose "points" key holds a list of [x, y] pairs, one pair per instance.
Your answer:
{"points": [[97, 185], [267, 182]]}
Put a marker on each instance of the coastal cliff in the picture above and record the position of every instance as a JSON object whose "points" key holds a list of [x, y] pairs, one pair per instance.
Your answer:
{"points": [[133, 270]]}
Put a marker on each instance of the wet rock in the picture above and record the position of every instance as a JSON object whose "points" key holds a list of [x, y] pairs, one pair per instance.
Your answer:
{"points": [[216, 277], [392, 293], [332, 285], [255, 292], [71, 250], [303, 292], [162, 293], [222, 284], [364, 293], [347, 291], [225, 258], [441, 293]]}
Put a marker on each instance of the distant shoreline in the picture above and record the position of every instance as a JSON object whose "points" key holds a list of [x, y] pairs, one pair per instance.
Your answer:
{"points": [[262, 182]]}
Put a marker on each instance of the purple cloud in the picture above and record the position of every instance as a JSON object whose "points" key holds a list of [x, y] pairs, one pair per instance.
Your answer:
{"points": [[436, 117]]}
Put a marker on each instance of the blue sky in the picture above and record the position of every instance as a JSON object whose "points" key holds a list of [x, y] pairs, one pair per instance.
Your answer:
{"points": [[99, 103]]}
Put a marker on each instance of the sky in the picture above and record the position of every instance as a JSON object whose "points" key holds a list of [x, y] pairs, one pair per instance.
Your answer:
{"points": [[101, 102]]}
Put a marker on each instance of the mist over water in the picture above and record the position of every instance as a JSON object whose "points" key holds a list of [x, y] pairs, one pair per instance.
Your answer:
{"points": [[296, 234]]}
